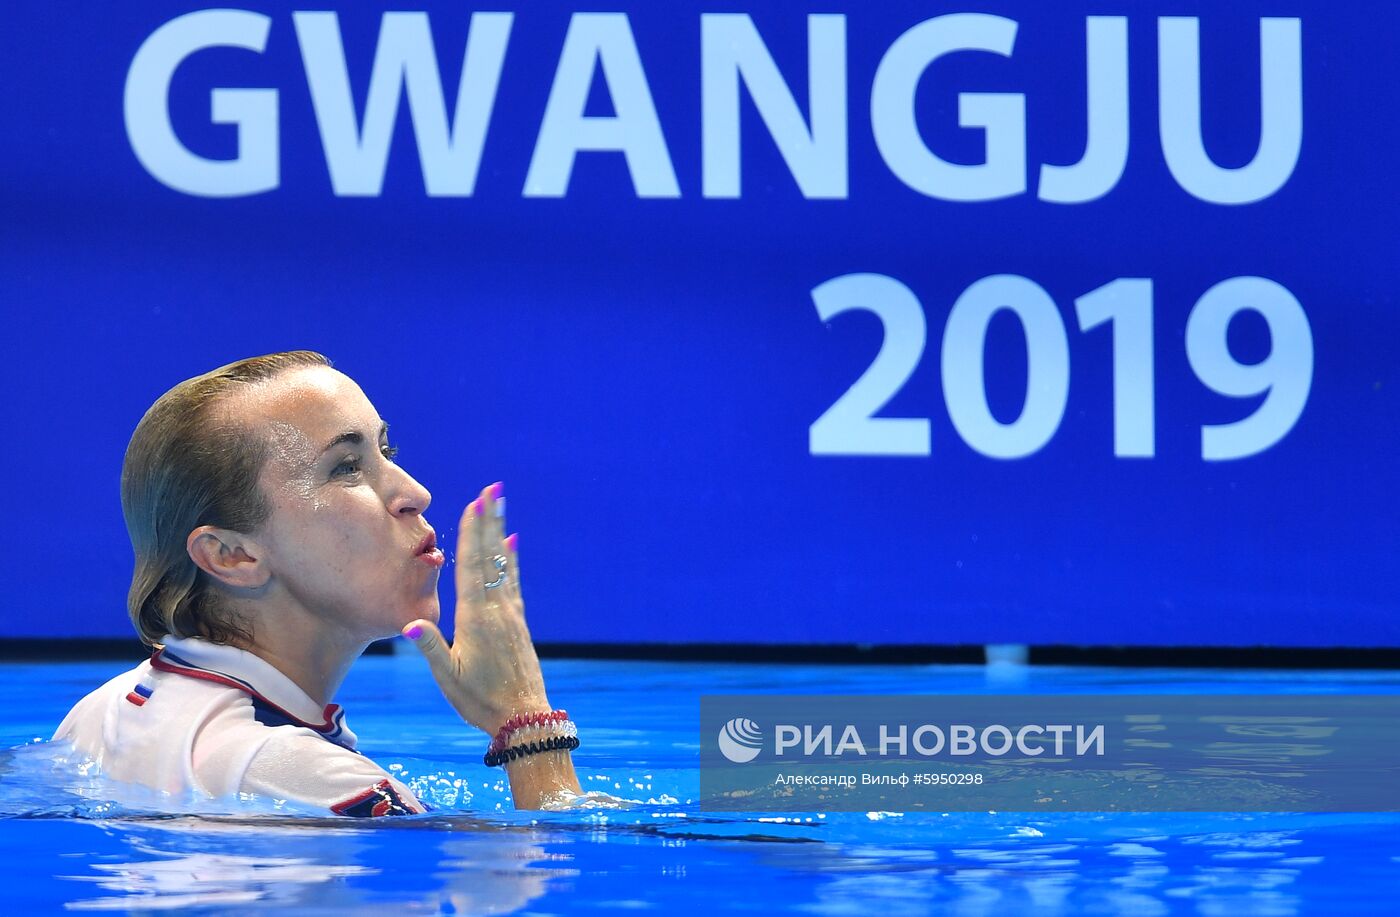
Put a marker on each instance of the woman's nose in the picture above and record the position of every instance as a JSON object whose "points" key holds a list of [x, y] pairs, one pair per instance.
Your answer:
{"points": [[409, 497]]}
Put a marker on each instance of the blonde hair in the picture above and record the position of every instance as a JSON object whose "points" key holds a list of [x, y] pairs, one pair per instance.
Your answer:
{"points": [[190, 464]]}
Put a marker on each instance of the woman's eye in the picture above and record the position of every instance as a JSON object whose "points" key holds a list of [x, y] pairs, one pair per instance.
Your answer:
{"points": [[349, 466], [389, 452]]}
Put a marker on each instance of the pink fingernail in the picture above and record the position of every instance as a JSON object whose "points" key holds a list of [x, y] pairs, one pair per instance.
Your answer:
{"points": [[414, 632], [513, 542], [477, 508], [497, 489]]}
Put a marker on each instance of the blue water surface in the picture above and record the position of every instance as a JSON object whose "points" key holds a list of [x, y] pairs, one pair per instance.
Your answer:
{"points": [[69, 842]]}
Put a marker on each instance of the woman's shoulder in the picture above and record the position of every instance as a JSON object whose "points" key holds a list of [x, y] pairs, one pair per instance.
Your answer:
{"points": [[92, 707], [150, 703]]}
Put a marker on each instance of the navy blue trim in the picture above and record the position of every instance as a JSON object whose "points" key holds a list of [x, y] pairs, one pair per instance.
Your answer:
{"points": [[264, 712], [375, 802]]}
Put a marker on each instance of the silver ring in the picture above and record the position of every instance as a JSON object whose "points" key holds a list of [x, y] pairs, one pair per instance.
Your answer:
{"points": [[500, 561]]}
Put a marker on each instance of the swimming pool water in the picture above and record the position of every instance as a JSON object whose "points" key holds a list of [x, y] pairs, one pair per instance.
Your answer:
{"points": [[84, 846]]}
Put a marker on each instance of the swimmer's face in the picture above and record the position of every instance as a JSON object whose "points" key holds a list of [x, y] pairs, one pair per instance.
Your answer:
{"points": [[345, 520]]}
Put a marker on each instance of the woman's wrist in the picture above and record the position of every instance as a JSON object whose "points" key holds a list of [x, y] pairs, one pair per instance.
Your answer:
{"points": [[538, 745], [528, 734], [523, 706], [543, 781]]}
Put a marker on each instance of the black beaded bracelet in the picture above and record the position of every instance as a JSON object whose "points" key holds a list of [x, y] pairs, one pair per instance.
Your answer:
{"points": [[553, 743]]}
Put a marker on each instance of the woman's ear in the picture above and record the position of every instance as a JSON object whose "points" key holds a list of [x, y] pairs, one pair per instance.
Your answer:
{"points": [[231, 558]]}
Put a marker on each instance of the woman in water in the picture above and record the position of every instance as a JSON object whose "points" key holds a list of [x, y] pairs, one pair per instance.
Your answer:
{"points": [[275, 539]]}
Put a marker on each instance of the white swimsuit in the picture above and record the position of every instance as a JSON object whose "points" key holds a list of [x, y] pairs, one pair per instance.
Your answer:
{"points": [[219, 720]]}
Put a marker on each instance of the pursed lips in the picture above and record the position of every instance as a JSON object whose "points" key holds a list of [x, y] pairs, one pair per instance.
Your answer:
{"points": [[428, 550]]}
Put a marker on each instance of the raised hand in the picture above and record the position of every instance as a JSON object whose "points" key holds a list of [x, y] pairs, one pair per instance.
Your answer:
{"points": [[490, 671]]}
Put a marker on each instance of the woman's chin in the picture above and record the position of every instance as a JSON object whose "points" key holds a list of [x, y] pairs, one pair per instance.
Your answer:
{"points": [[430, 610]]}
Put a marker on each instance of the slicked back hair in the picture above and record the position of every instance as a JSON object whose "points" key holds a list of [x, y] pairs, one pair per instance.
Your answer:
{"points": [[190, 464]]}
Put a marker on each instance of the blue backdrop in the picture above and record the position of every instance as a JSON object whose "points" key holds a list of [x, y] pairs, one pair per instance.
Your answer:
{"points": [[776, 321]]}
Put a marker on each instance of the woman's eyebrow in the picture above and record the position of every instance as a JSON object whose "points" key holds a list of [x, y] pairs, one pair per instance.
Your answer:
{"points": [[353, 436]]}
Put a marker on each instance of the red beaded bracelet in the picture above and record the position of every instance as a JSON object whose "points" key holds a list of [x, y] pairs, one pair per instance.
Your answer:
{"points": [[521, 720]]}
